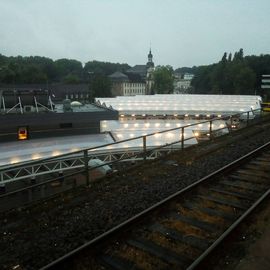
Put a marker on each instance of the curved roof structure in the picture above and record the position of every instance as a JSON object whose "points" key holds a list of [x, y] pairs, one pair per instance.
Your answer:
{"points": [[183, 104]]}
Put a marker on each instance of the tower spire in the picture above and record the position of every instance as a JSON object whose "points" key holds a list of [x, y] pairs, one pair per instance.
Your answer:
{"points": [[150, 58]]}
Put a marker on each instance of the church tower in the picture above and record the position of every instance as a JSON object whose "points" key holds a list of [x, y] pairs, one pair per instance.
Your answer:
{"points": [[150, 67], [150, 62]]}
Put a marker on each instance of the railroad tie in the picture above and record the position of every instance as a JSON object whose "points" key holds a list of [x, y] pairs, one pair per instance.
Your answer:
{"points": [[209, 211], [191, 240], [156, 250], [248, 197], [248, 179], [210, 227], [239, 185], [115, 262], [223, 202]]}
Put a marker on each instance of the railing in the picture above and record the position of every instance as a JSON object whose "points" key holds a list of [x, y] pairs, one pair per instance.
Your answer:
{"points": [[80, 158], [78, 161]]}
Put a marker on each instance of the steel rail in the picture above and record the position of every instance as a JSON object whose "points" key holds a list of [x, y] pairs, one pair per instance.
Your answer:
{"points": [[135, 219], [206, 253]]}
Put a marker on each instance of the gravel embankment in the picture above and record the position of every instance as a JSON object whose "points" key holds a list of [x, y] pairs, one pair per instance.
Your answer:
{"points": [[34, 236]]}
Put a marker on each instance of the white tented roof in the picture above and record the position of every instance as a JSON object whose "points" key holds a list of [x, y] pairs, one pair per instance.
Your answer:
{"points": [[129, 129], [182, 104]]}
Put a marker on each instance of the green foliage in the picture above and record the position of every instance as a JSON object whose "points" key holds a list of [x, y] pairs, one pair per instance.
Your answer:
{"points": [[71, 79], [163, 80], [240, 75], [183, 70], [36, 69], [100, 86], [67, 67], [104, 68]]}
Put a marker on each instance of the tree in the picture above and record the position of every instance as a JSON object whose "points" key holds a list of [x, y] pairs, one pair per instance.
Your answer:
{"points": [[71, 79], [163, 80], [100, 86], [244, 81], [104, 68], [230, 57], [242, 75]]}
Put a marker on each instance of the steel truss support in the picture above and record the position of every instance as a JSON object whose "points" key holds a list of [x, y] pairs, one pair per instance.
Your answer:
{"points": [[54, 165]]}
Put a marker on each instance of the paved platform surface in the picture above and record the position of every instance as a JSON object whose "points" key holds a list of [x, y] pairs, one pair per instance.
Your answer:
{"points": [[20, 151]]}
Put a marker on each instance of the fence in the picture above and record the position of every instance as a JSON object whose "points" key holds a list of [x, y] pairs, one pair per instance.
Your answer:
{"points": [[78, 161]]}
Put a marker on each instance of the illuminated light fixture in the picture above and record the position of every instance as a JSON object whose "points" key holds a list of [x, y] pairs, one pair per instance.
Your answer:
{"points": [[14, 160], [125, 125], [122, 115], [196, 115], [208, 115], [175, 115], [74, 149], [219, 115], [119, 135], [196, 134], [178, 125], [200, 125], [22, 133], [133, 115], [157, 135], [221, 125], [147, 124], [56, 153], [157, 124], [35, 156], [186, 115], [143, 115], [131, 135], [169, 135], [167, 125], [136, 125]]}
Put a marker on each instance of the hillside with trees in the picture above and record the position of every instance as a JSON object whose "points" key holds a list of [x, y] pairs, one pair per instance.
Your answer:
{"points": [[37, 70], [233, 74], [237, 74]]}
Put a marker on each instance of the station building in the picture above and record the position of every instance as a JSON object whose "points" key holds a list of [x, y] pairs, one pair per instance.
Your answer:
{"points": [[26, 114]]}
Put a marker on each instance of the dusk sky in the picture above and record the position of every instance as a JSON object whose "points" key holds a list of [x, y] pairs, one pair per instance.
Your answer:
{"points": [[181, 32]]}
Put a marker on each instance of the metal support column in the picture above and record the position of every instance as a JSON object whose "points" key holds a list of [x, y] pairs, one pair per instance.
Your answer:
{"points": [[210, 128], [144, 148], [86, 159], [182, 137]]}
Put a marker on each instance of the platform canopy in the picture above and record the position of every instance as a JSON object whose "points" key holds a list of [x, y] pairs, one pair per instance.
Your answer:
{"points": [[182, 104]]}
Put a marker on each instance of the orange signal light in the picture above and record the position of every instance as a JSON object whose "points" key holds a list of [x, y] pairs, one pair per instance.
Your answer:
{"points": [[22, 133]]}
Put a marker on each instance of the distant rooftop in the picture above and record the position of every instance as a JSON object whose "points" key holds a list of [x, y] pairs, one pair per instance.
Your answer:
{"points": [[59, 108]]}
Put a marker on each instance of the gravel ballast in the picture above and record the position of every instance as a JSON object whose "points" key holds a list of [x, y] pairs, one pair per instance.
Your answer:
{"points": [[33, 236]]}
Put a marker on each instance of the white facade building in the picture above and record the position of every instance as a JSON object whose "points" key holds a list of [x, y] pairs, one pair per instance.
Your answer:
{"points": [[133, 89]]}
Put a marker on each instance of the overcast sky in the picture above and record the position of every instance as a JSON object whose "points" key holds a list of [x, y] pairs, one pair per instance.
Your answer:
{"points": [[181, 32]]}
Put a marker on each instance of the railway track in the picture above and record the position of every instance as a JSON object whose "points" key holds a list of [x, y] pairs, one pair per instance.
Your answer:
{"points": [[180, 231]]}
